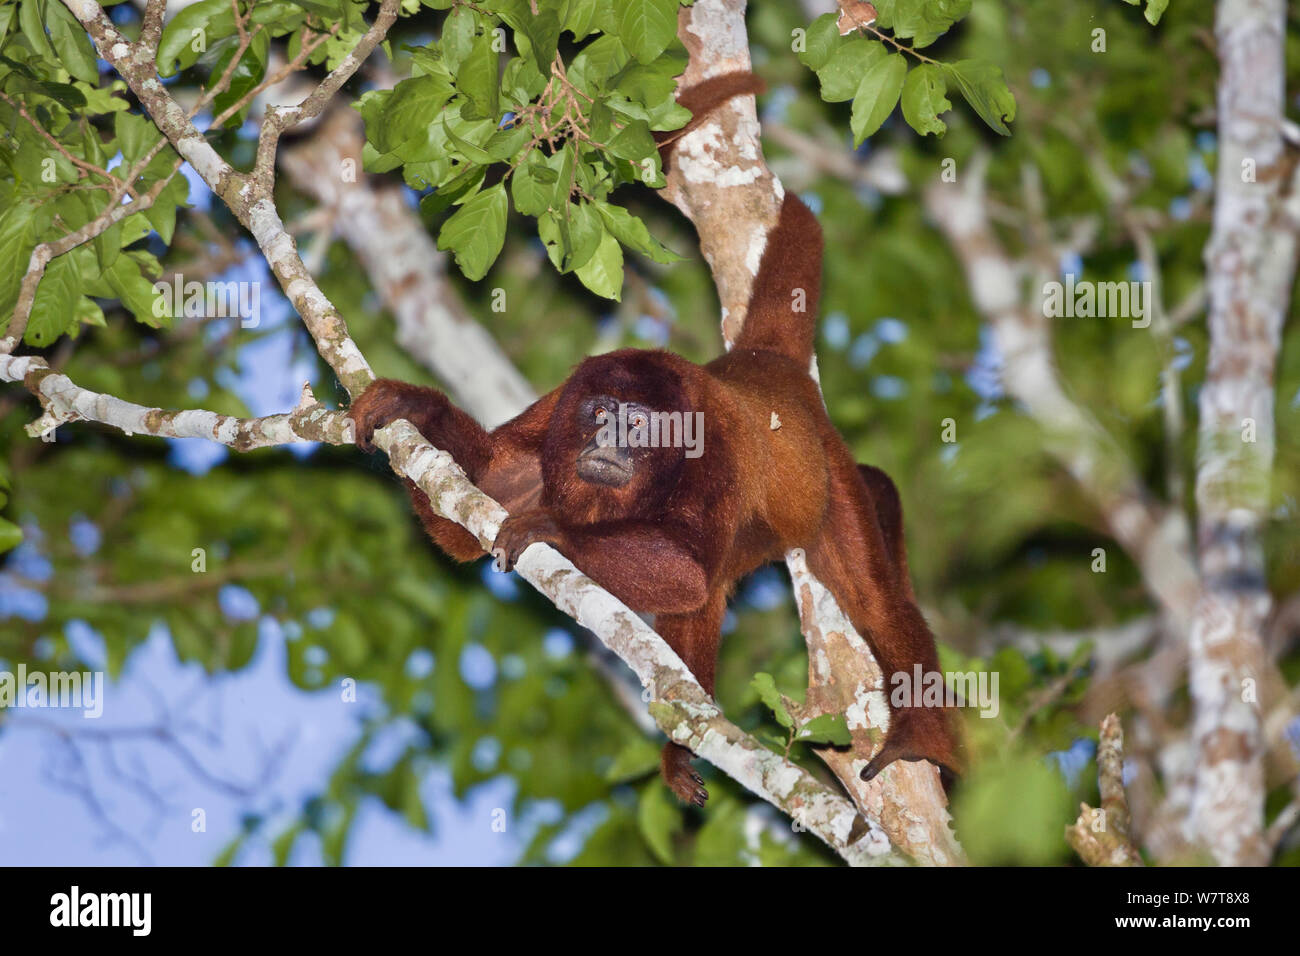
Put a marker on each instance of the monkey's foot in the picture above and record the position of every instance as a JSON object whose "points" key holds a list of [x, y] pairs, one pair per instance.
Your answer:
{"points": [[675, 767]]}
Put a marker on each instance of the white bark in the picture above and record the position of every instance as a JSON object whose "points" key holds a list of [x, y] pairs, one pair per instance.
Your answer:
{"points": [[1250, 262]]}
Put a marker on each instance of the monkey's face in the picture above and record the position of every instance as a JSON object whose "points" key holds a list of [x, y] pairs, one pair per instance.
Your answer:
{"points": [[620, 444], [614, 445]]}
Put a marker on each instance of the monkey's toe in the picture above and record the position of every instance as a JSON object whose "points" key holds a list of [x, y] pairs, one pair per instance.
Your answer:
{"points": [[688, 786], [681, 778]]}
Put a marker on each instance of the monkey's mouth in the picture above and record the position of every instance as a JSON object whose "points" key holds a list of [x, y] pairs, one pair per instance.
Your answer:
{"points": [[605, 466]]}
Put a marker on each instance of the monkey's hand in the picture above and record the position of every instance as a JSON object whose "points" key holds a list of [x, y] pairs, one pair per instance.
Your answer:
{"points": [[519, 531], [387, 400]]}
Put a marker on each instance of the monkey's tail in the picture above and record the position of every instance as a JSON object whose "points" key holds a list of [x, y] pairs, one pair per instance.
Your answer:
{"points": [[702, 99], [782, 314]]}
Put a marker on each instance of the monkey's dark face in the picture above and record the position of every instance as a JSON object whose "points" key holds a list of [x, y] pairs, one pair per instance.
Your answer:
{"points": [[611, 452], [620, 441]]}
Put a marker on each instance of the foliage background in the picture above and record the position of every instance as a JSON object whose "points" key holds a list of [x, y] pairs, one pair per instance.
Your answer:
{"points": [[479, 680]]}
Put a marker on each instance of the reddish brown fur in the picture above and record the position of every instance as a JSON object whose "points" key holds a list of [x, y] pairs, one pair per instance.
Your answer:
{"points": [[675, 539]]}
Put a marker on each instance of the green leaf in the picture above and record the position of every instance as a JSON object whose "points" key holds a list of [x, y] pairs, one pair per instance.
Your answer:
{"points": [[210, 20], [53, 311], [454, 192], [599, 60], [844, 72], [521, 81], [584, 229], [646, 27], [877, 95], [135, 134], [634, 142], [31, 18], [101, 101], [603, 272], [659, 820], [10, 535], [248, 73], [162, 214], [17, 239], [924, 99], [532, 195], [6, 17], [477, 79], [75, 53], [580, 20], [458, 32], [507, 142], [923, 21], [638, 757], [88, 312], [404, 115], [472, 152], [986, 91], [65, 94], [1155, 10], [827, 729], [135, 291], [820, 42], [765, 686], [632, 232], [541, 31], [476, 233]]}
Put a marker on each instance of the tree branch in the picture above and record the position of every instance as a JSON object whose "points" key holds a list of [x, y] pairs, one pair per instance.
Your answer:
{"points": [[65, 401], [1250, 265], [1101, 837]]}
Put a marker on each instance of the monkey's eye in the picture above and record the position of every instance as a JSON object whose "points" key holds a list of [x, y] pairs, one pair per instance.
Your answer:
{"points": [[639, 420], [601, 414]]}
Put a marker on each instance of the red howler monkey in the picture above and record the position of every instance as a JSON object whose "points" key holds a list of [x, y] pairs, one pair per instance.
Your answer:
{"points": [[670, 534]]}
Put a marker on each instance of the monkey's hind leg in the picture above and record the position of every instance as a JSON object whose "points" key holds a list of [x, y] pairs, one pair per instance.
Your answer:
{"points": [[695, 638], [859, 556]]}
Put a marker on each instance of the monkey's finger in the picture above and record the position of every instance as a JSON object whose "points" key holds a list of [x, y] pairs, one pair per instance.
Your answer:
{"points": [[500, 561]]}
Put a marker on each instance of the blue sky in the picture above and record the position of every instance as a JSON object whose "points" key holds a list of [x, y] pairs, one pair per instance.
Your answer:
{"points": [[237, 719]]}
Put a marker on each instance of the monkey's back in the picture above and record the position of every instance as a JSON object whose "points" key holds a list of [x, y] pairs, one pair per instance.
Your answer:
{"points": [[770, 409]]}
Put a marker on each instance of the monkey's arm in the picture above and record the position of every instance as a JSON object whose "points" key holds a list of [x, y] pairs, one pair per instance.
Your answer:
{"points": [[433, 415], [651, 566], [504, 463]]}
